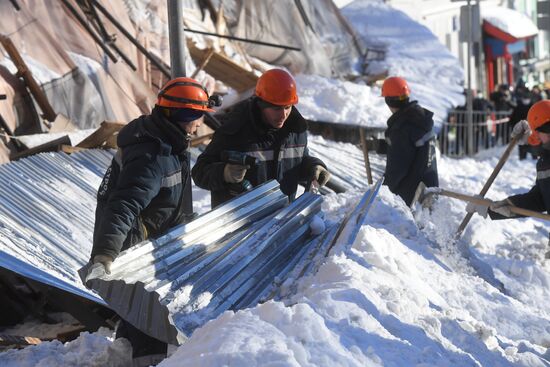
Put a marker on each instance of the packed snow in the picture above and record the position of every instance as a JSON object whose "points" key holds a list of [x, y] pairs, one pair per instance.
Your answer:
{"points": [[332, 100], [401, 295]]}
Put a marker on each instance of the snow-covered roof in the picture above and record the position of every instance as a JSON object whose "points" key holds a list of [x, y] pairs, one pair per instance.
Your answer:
{"points": [[510, 21]]}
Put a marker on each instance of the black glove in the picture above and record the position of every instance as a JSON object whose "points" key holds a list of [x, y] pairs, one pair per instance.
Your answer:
{"points": [[321, 175]]}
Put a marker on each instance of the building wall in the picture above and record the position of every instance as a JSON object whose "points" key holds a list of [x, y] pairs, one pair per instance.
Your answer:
{"points": [[537, 68]]}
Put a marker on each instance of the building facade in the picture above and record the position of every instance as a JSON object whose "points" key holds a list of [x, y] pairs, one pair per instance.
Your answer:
{"points": [[506, 45]]}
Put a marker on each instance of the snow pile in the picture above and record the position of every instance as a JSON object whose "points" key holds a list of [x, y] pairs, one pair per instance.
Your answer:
{"points": [[333, 100], [412, 51], [401, 295], [395, 298], [97, 349]]}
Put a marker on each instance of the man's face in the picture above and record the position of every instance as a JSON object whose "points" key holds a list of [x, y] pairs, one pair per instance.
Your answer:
{"points": [[191, 127], [544, 137], [276, 116]]}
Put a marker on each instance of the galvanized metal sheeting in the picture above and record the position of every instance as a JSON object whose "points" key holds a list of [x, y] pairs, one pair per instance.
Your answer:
{"points": [[310, 258], [230, 258], [223, 260], [346, 163], [47, 210]]}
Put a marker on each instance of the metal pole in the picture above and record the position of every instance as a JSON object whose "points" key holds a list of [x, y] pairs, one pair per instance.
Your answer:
{"points": [[177, 69], [469, 112], [177, 38]]}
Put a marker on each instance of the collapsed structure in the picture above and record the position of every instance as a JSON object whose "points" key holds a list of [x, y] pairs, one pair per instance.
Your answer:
{"points": [[85, 62]]}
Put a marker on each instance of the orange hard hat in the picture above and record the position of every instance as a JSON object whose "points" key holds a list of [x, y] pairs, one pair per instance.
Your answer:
{"points": [[395, 87], [538, 115], [184, 93], [277, 87]]}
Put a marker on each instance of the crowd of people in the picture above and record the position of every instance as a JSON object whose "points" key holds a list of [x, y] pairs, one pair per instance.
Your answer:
{"points": [[493, 120]]}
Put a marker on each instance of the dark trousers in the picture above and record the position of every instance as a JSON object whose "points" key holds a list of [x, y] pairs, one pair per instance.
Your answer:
{"points": [[142, 344]]}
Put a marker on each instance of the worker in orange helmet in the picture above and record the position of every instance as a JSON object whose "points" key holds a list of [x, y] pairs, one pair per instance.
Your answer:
{"points": [[142, 191], [536, 132], [409, 142], [262, 138]]}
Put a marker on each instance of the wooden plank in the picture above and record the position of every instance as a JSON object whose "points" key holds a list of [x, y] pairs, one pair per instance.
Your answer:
{"points": [[51, 146], [223, 68], [69, 149], [203, 63], [101, 135], [18, 341], [365, 154], [24, 72]]}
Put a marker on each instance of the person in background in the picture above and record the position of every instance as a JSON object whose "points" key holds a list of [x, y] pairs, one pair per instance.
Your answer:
{"points": [[535, 131], [142, 192], [536, 94], [409, 142], [502, 99], [524, 103], [269, 128]]}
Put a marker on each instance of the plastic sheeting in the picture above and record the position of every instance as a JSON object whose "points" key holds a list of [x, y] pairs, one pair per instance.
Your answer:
{"points": [[315, 26], [77, 77]]}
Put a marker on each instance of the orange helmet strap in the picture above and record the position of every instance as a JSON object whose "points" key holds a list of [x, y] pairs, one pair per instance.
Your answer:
{"points": [[212, 100]]}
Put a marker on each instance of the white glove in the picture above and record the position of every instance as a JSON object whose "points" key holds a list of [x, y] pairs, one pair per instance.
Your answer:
{"points": [[234, 173], [477, 208], [105, 260], [101, 265], [321, 175], [502, 207], [523, 130]]}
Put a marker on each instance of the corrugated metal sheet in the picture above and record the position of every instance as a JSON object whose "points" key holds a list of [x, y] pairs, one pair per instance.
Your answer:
{"points": [[346, 163], [174, 284], [47, 209], [229, 258]]}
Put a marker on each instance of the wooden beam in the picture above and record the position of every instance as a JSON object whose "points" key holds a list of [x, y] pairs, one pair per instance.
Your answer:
{"points": [[158, 63], [203, 62], [18, 341], [51, 146], [365, 154], [24, 72], [69, 149], [101, 135], [80, 19], [224, 69]]}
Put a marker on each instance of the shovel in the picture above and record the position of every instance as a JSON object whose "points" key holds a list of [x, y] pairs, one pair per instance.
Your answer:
{"points": [[489, 182], [424, 194]]}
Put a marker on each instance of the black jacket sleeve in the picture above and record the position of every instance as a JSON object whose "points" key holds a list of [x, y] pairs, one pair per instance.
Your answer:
{"points": [[399, 161], [138, 183], [207, 172], [531, 200]]}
